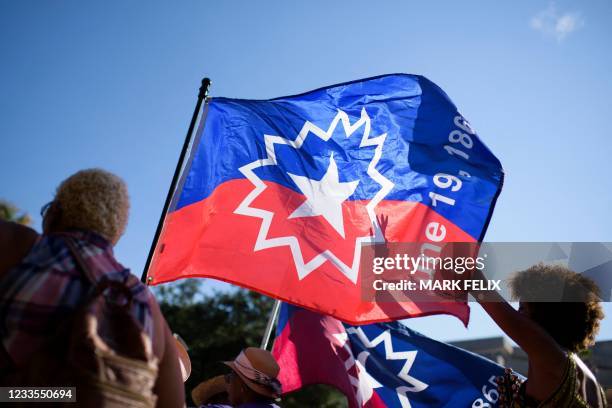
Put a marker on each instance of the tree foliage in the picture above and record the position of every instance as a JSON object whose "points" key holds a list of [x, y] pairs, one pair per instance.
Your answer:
{"points": [[9, 212], [216, 327]]}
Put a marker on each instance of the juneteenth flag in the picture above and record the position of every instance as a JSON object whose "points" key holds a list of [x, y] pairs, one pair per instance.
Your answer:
{"points": [[380, 365], [279, 195]]}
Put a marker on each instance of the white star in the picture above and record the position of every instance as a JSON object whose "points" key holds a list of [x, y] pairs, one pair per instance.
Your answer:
{"points": [[263, 241], [364, 383], [324, 197], [414, 385]]}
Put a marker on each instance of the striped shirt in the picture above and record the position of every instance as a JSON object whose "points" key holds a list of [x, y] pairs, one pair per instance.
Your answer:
{"points": [[38, 294]]}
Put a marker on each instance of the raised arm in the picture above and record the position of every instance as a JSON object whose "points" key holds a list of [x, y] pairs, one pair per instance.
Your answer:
{"points": [[542, 349]]}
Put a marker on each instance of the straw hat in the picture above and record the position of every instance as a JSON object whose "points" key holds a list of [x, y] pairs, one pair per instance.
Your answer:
{"points": [[208, 389], [259, 371]]}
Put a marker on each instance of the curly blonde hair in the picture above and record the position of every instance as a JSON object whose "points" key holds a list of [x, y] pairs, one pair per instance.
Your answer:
{"points": [[94, 200]]}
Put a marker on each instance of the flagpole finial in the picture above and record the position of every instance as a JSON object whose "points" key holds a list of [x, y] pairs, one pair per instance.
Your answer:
{"points": [[204, 87]]}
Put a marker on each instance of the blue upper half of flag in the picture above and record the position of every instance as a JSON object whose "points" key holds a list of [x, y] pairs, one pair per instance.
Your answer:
{"points": [[427, 146]]}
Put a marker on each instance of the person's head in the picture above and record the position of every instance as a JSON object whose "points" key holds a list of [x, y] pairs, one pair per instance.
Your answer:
{"points": [[565, 303], [253, 377], [93, 200]]}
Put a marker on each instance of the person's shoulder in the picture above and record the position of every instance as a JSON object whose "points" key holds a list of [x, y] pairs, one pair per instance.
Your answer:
{"points": [[138, 288], [12, 232], [16, 241]]}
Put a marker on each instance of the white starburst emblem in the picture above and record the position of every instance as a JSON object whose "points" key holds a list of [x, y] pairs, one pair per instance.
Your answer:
{"points": [[323, 197], [413, 385]]}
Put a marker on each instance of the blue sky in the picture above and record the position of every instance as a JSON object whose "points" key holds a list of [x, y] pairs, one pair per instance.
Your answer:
{"points": [[112, 84]]}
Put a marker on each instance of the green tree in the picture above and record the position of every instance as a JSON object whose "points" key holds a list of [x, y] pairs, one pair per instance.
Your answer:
{"points": [[180, 293], [217, 326], [9, 212]]}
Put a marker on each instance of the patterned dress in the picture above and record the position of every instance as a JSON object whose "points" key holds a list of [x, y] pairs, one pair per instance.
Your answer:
{"points": [[512, 392]]}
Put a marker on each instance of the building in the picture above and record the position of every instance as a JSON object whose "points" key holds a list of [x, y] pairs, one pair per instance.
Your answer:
{"points": [[504, 352]]}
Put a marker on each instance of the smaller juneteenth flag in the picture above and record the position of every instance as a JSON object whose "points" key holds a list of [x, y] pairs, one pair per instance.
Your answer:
{"points": [[279, 195], [380, 365]]}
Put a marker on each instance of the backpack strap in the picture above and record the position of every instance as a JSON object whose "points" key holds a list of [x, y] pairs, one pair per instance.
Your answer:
{"points": [[102, 285], [78, 258]]}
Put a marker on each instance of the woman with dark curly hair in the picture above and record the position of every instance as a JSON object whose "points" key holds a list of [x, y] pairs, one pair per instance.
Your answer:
{"points": [[558, 317]]}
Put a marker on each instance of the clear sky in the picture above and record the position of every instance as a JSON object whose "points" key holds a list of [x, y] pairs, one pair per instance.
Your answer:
{"points": [[112, 84]]}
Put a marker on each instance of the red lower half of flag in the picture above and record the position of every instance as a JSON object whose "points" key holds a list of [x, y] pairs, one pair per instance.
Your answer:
{"points": [[263, 248]]}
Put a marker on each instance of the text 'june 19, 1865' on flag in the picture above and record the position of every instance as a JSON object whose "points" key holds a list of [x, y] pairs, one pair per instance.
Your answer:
{"points": [[280, 195]]}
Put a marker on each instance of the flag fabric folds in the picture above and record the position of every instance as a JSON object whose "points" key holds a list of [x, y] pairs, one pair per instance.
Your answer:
{"points": [[380, 365], [279, 195]]}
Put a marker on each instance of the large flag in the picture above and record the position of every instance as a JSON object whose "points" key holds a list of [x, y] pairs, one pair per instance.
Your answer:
{"points": [[279, 195], [380, 365]]}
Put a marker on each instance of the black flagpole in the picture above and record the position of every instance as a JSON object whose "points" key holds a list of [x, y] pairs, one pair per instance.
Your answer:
{"points": [[179, 165]]}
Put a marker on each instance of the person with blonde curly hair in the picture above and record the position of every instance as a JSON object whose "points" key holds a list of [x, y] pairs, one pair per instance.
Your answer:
{"points": [[90, 200], [558, 317], [88, 214]]}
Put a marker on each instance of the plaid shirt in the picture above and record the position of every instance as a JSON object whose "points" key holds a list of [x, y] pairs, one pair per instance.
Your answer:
{"points": [[47, 286]]}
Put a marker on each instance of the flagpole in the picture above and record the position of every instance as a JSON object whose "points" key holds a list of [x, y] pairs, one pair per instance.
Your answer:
{"points": [[270, 325], [201, 95]]}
